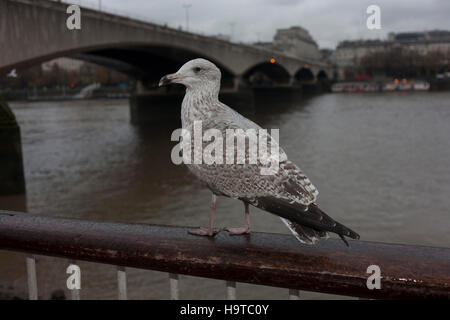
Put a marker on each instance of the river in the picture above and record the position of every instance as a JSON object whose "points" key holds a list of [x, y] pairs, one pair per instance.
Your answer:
{"points": [[380, 161]]}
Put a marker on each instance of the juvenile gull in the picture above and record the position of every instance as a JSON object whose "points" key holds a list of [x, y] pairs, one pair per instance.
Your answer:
{"points": [[287, 193]]}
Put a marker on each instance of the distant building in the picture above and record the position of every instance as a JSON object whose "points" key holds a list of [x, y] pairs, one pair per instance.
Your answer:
{"points": [[63, 63], [297, 42], [350, 53], [433, 36], [422, 42], [328, 56], [82, 72]]}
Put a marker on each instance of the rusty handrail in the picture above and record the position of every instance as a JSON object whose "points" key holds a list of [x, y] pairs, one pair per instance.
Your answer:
{"points": [[260, 258]]}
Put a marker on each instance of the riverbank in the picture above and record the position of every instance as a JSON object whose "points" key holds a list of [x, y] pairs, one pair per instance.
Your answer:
{"points": [[391, 86], [65, 94]]}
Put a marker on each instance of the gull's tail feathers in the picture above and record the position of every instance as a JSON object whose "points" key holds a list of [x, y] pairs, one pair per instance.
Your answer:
{"points": [[308, 224], [304, 234]]}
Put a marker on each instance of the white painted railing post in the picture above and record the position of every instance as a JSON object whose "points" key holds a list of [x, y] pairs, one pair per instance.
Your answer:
{"points": [[31, 278], [294, 294], [174, 289], [231, 290], [122, 283]]}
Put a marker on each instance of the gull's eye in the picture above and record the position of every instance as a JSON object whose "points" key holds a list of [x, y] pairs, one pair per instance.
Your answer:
{"points": [[197, 69]]}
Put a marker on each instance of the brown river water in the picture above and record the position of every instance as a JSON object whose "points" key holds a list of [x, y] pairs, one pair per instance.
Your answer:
{"points": [[381, 163]]}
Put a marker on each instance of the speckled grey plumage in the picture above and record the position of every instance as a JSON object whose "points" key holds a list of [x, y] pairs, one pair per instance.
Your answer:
{"points": [[245, 180]]}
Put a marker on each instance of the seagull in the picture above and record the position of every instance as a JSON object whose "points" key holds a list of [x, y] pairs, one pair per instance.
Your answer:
{"points": [[287, 193], [12, 74]]}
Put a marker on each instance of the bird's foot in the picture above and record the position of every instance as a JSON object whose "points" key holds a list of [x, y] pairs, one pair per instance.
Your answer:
{"points": [[238, 231], [204, 232]]}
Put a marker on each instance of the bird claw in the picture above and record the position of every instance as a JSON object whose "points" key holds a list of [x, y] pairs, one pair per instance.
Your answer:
{"points": [[238, 231], [204, 232]]}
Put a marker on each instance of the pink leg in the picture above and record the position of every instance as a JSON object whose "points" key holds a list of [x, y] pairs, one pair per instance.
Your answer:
{"points": [[210, 231], [243, 230]]}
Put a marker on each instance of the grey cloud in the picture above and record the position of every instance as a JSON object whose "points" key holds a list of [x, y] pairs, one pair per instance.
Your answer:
{"points": [[328, 21]]}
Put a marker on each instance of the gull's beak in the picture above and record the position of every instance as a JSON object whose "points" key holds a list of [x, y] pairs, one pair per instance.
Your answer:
{"points": [[168, 79]]}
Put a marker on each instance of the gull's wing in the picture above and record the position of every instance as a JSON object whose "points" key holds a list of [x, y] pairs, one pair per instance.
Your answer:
{"points": [[287, 192], [246, 180]]}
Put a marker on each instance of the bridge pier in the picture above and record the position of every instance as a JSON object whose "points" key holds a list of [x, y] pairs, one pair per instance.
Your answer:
{"points": [[156, 109], [271, 96], [12, 178], [311, 87], [291, 80], [140, 88], [237, 81]]}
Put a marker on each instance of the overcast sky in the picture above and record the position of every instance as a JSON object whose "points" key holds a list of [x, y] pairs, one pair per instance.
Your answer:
{"points": [[328, 21]]}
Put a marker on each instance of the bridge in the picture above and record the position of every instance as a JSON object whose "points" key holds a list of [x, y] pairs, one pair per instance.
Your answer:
{"points": [[35, 31]]}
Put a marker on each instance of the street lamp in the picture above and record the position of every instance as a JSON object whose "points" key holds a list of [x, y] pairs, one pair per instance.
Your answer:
{"points": [[186, 7]]}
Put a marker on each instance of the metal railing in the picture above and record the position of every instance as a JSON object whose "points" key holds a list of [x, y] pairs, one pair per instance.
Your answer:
{"points": [[260, 258]]}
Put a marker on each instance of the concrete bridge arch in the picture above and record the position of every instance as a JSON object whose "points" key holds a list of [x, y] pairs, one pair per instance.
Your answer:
{"points": [[148, 62], [266, 73], [305, 74]]}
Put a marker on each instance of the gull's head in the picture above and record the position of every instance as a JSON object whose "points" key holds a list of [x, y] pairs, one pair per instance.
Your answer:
{"points": [[195, 74]]}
